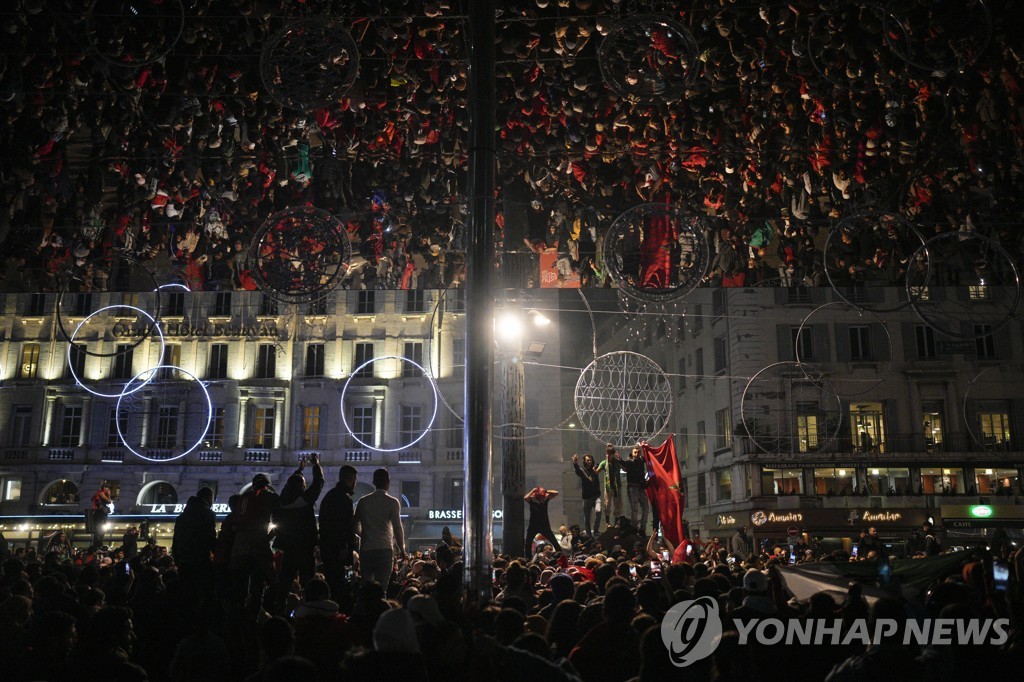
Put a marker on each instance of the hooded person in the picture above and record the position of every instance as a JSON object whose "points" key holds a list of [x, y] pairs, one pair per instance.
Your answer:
{"points": [[195, 536]]}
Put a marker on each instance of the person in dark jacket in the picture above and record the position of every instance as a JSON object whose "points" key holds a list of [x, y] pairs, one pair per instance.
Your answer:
{"points": [[295, 527], [337, 534], [195, 536], [590, 488]]}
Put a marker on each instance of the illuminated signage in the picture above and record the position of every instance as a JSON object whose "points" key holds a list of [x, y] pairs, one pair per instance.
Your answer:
{"points": [[725, 520], [981, 511], [179, 508], [454, 514], [200, 329]]}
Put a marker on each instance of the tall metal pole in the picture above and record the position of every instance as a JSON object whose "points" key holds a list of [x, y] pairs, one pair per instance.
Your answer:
{"points": [[479, 305], [513, 445]]}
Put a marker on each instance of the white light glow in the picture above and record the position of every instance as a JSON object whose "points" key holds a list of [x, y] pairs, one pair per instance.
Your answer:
{"points": [[508, 328], [539, 320], [154, 371], [71, 343], [430, 422]]}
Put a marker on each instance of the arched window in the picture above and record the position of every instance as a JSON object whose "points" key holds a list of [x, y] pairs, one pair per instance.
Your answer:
{"points": [[60, 492], [158, 492]]}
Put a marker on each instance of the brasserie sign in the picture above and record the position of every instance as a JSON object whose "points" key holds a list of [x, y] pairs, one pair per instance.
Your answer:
{"points": [[200, 329]]}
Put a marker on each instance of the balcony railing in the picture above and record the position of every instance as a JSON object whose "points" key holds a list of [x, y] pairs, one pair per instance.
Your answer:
{"points": [[257, 456], [112, 455], [15, 454], [410, 457], [211, 456], [892, 444], [359, 456], [453, 454], [62, 455]]}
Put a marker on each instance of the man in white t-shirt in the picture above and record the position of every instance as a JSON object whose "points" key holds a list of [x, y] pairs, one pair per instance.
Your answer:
{"points": [[379, 524]]}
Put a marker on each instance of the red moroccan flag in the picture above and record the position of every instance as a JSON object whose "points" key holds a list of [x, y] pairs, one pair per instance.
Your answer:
{"points": [[665, 489]]}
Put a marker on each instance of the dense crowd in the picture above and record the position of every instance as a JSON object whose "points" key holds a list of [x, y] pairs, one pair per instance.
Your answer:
{"points": [[277, 593], [801, 115]]}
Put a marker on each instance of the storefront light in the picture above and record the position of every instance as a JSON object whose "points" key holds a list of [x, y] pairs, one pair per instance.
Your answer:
{"points": [[874, 472], [842, 473]]}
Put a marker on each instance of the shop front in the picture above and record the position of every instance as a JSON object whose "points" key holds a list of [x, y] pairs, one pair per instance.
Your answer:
{"points": [[424, 533], [825, 529], [966, 524]]}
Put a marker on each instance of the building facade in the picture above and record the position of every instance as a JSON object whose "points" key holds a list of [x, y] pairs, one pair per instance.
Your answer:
{"points": [[350, 376]]}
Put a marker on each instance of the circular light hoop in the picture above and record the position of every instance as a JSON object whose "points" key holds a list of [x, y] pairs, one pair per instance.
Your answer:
{"points": [[617, 396], [961, 15], [132, 262], [816, 46], [821, 381], [299, 254], [309, 63], [71, 344], [857, 224], [641, 272], [202, 435], [344, 390], [165, 18], [802, 361], [649, 59], [174, 285], [970, 420], [1010, 277]]}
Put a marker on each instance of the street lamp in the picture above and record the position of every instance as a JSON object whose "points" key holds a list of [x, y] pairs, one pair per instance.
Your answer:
{"points": [[510, 330]]}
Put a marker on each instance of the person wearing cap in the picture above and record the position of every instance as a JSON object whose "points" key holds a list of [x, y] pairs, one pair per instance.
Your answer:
{"points": [[250, 550], [195, 536], [378, 518]]}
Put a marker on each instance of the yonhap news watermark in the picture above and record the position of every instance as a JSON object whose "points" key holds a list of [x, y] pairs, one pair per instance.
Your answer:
{"points": [[692, 630]]}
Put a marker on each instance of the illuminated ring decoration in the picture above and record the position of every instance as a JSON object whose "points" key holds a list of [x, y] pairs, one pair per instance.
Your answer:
{"points": [[760, 402], [622, 398], [970, 258], [174, 285], [647, 59], [71, 344], [969, 420], [310, 63], [124, 260], [126, 393], [828, 58], [864, 226], [344, 390], [299, 254], [133, 33], [657, 252], [954, 33], [888, 337]]}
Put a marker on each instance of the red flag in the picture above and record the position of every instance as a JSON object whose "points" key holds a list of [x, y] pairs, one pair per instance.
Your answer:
{"points": [[665, 489]]}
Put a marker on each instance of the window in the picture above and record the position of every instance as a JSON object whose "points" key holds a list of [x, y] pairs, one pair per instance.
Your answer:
{"points": [[698, 319], [702, 440], [61, 492], [782, 482], [936, 481], [698, 366], [81, 305], [681, 371], [718, 302], [829, 481], [994, 423], [867, 426], [984, 342], [318, 306], [263, 427], [684, 446], [410, 492], [456, 300], [315, 360], [113, 437], [415, 301], [29, 361], [722, 355], [364, 355], [175, 306], [723, 429], [266, 361], [76, 361], [455, 431], [807, 427], [455, 493], [802, 343], [12, 490], [997, 481], [71, 426], [702, 490], [888, 481], [221, 304], [925, 342], [931, 423], [798, 294], [171, 358], [21, 426], [366, 303], [218, 368], [413, 351], [723, 485], [167, 427], [310, 427], [36, 305], [978, 292], [268, 306], [161, 492], [860, 342], [123, 361], [215, 436], [458, 356], [362, 423], [411, 427]]}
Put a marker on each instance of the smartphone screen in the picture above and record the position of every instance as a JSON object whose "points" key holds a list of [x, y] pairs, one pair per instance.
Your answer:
{"points": [[1000, 575], [655, 569], [632, 571], [665, 555], [855, 551], [792, 558]]}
